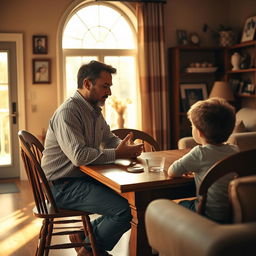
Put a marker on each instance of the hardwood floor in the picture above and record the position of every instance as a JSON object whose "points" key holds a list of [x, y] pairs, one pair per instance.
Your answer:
{"points": [[19, 228]]}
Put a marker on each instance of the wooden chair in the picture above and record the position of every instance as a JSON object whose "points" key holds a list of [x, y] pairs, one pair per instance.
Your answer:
{"points": [[46, 208], [149, 143], [242, 163]]}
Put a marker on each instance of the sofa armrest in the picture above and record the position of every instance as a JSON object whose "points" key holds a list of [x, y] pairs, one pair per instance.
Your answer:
{"points": [[186, 142], [244, 140], [173, 230]]}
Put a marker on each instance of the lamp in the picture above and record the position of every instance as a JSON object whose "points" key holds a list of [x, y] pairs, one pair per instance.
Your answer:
{"points": [[222, 89]]}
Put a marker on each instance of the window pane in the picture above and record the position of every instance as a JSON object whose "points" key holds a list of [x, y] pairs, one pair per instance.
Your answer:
{"points": [[72, 66], [5, 155], [124, 90], [98, 27]]}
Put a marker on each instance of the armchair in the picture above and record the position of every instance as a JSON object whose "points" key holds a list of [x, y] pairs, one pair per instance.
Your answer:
{"points": [[173, 230], [243, 136]]}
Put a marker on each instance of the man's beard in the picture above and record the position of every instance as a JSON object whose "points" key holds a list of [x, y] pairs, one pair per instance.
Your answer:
{"points": [[101, 103]]}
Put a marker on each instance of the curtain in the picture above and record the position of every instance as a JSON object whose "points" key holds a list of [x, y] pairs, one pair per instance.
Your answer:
{"points": [[152, 72]]}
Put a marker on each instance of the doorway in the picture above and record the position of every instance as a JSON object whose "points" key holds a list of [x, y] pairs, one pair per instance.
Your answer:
{"points": [[11, 45], [9, 149]]}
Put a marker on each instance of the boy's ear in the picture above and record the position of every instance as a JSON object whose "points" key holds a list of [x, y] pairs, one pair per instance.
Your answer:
{"points": [[200, 133]]}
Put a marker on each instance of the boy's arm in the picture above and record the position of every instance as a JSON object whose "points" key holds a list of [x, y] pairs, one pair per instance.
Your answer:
{"points": [[171, 173], [186, 164]]}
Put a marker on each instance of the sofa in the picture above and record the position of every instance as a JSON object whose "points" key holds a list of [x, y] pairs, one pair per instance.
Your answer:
{"points": [[244, 134]]}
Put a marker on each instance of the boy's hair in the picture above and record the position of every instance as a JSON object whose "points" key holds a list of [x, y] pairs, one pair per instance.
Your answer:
{"points": [[91, 71], [214, 117]]}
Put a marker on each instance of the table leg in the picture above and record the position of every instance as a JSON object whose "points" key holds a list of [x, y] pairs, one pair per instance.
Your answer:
{"points": [[139, 201], [138, 245]]}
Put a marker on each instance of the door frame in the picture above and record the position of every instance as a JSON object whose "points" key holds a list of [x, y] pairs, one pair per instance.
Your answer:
{"points": [[18, 39]]}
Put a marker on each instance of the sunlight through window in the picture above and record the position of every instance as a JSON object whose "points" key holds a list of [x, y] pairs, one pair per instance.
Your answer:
{"points": [[14, 242], [17, 228], [98, 26]]}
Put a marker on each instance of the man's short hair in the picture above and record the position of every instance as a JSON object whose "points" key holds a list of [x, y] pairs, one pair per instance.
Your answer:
{"points": [[91, 71], [214, 117]]}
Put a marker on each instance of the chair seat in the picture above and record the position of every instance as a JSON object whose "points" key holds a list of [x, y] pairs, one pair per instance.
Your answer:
{"points": [[60, 214]]}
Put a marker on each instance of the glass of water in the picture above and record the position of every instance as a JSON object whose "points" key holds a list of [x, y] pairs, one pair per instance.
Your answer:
{"points": [[155, 164]]}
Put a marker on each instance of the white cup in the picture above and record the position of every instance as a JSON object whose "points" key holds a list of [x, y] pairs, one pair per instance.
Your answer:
{"points": [[155, 164]]}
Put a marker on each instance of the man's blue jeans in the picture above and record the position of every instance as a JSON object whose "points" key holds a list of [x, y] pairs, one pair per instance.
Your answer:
{"points": [[86, 194], [190, 204]]}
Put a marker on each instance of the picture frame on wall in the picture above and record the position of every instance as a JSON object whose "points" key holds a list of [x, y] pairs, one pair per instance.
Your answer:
{"points": [[182, 37], [41, 71], [191, 93], [249, 29], [40, 44]]}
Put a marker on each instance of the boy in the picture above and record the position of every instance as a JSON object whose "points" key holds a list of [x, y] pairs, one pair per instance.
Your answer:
{"points": [[213, 121]]}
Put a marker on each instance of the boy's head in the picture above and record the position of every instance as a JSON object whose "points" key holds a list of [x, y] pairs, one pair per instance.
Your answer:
{"points": [[215, 118]]}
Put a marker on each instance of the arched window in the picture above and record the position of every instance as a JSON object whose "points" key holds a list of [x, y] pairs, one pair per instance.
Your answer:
{"points": [[104, 32]]}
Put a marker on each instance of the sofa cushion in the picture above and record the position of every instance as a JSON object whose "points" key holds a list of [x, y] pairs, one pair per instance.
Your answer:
{"points": [[248, 115], [239, 127]]}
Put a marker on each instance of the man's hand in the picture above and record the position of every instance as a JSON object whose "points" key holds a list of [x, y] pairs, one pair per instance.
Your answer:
{"points": [[127, 148]]}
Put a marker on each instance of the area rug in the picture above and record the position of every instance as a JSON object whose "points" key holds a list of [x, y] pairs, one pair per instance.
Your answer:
{"points": [[6, 188]]}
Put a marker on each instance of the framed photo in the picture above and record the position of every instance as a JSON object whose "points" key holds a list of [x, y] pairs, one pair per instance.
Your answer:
{"points": [[182, 37], [249, 29], [41, 71], [40, 44], [246, 89], [191, 93]]}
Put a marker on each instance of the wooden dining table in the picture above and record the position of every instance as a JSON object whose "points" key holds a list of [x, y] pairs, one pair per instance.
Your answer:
{"points": [[141, 188]]}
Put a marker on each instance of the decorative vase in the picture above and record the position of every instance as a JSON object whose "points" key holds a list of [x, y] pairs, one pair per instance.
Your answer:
{"points": [[235, 61], [120, 121]]}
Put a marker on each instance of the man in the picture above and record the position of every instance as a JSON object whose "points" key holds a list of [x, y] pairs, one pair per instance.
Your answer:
{"points": [[39, 48], [79, 135]]}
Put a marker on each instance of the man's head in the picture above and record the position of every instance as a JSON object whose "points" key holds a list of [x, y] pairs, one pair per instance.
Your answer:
{"points": [[92, 71], [94, 80], [214, 118]]}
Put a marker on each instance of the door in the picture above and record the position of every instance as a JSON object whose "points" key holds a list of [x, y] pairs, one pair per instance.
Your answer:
{"points": [[9, 147]]}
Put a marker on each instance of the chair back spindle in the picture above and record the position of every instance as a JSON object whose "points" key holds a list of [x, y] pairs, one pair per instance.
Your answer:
{"points": [[31, 152]]}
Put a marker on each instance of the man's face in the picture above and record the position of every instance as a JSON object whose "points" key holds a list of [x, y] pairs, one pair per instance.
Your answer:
{"points": [[101, 89]]}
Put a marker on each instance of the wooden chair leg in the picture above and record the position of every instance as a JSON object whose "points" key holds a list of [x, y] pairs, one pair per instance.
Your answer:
{"points": [[49, 236], [42, 239], [39, 237], [88, 228]]}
